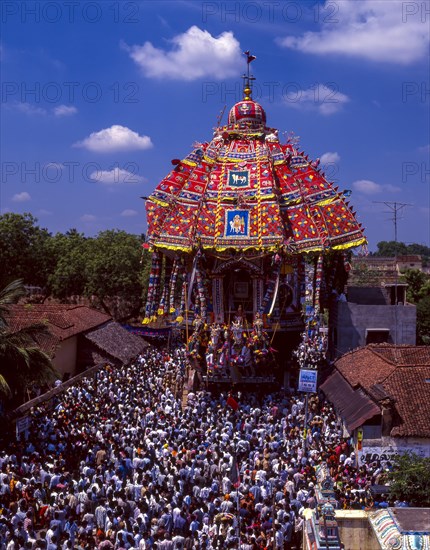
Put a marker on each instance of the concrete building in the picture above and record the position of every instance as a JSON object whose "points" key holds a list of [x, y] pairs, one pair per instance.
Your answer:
{"points": [[374, 308], [411, 261]]}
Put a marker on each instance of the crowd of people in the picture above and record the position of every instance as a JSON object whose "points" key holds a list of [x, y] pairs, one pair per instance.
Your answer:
{"points": [[120, 462]]}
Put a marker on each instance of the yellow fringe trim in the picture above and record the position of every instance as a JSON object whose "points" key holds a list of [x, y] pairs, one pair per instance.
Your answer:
{"points": [[158, 201], [324, 202]]}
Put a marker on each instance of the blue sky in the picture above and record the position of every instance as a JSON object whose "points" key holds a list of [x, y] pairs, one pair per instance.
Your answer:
{"points": [[98, 97]]}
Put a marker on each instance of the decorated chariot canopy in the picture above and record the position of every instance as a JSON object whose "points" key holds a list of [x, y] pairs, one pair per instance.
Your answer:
{"points": [[245, 190], [230, 225]]}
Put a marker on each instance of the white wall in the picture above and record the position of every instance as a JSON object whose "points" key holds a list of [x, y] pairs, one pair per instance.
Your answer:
{"points": [[387, 447], [65, 356]]}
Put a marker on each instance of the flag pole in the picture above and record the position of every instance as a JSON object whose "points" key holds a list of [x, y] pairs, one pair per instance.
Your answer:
{"points": [[305, 438], [236, 465]]}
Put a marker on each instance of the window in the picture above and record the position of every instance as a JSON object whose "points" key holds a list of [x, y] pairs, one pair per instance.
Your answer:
{"points": [[377, 335]]}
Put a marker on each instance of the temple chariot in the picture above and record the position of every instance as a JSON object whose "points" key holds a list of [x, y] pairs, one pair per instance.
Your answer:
{"points": [[247, 239]]}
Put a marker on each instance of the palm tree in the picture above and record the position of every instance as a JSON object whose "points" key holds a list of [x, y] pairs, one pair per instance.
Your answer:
{"points": [[22, 362]]}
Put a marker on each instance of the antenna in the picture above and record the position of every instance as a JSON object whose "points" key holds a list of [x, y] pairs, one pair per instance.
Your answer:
{"points": [[395, 208]]}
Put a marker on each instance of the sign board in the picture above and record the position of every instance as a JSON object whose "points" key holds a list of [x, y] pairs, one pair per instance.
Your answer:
{"points": [[308, 380], [22, 426]]}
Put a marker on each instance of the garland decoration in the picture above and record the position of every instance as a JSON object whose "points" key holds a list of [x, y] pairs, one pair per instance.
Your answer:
{"points": [[318, 279], [311, 352], [180, 317], [153, 288], [165, 294], [172, 285]]}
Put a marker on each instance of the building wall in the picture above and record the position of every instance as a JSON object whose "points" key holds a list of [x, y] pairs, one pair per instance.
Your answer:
{"points": [[355, 531], [65, 356], [353, 320], [387, 447]]}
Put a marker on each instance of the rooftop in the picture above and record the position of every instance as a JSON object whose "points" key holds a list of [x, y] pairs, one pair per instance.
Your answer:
{"points": [[398, 372], [63, 320], [117, 342]]}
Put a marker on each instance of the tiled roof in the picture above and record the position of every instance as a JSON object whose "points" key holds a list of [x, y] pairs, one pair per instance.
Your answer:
{"points": [[412, 394], [117, 342], [402, 373], [410, 258], [362, 367], [354, 405], [64, 320], [403, 355]]}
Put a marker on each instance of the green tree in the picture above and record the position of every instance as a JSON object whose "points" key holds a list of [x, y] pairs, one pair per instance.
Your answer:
{"points": [[69, 274], [416, 280], [23, 250], [423, 320], [419, 293], [389, 249], [22, 362], [113, 273], [410, 480]]}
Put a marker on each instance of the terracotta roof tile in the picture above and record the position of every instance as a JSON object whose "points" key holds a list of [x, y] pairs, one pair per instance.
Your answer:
{"points": [[412, 394], [401, 372], [364, 368], [64, 320]]}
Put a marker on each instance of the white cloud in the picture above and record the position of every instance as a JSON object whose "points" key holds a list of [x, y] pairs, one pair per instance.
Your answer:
{"points": [[116, 176], [194, 54], [29, 109], [330, 158], [369, 187], [129, 213], [65, 110], [391, 188], [88, 218], [378, 30], [324, 99], [21, 197], [115, 138]]}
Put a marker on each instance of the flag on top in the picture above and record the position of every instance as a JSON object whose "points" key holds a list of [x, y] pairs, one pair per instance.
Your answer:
{"points": [[249, 57]]}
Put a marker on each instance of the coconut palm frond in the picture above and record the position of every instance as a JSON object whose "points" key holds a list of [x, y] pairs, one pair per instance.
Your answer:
{"points": [[22, 362], [10, 294], [32, 332], [4, 387], [42, 369]]}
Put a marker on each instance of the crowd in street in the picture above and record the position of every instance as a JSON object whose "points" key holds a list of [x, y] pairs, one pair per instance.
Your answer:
{"points": [[119, 462]]}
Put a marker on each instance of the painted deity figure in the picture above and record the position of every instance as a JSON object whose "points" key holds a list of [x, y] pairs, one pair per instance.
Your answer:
{"points": [[258, 325], [237, 225], [237, 330], [216, 331]]}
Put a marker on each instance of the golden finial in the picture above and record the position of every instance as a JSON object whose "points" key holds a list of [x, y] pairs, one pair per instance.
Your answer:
{"points": [[247, 92]]}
